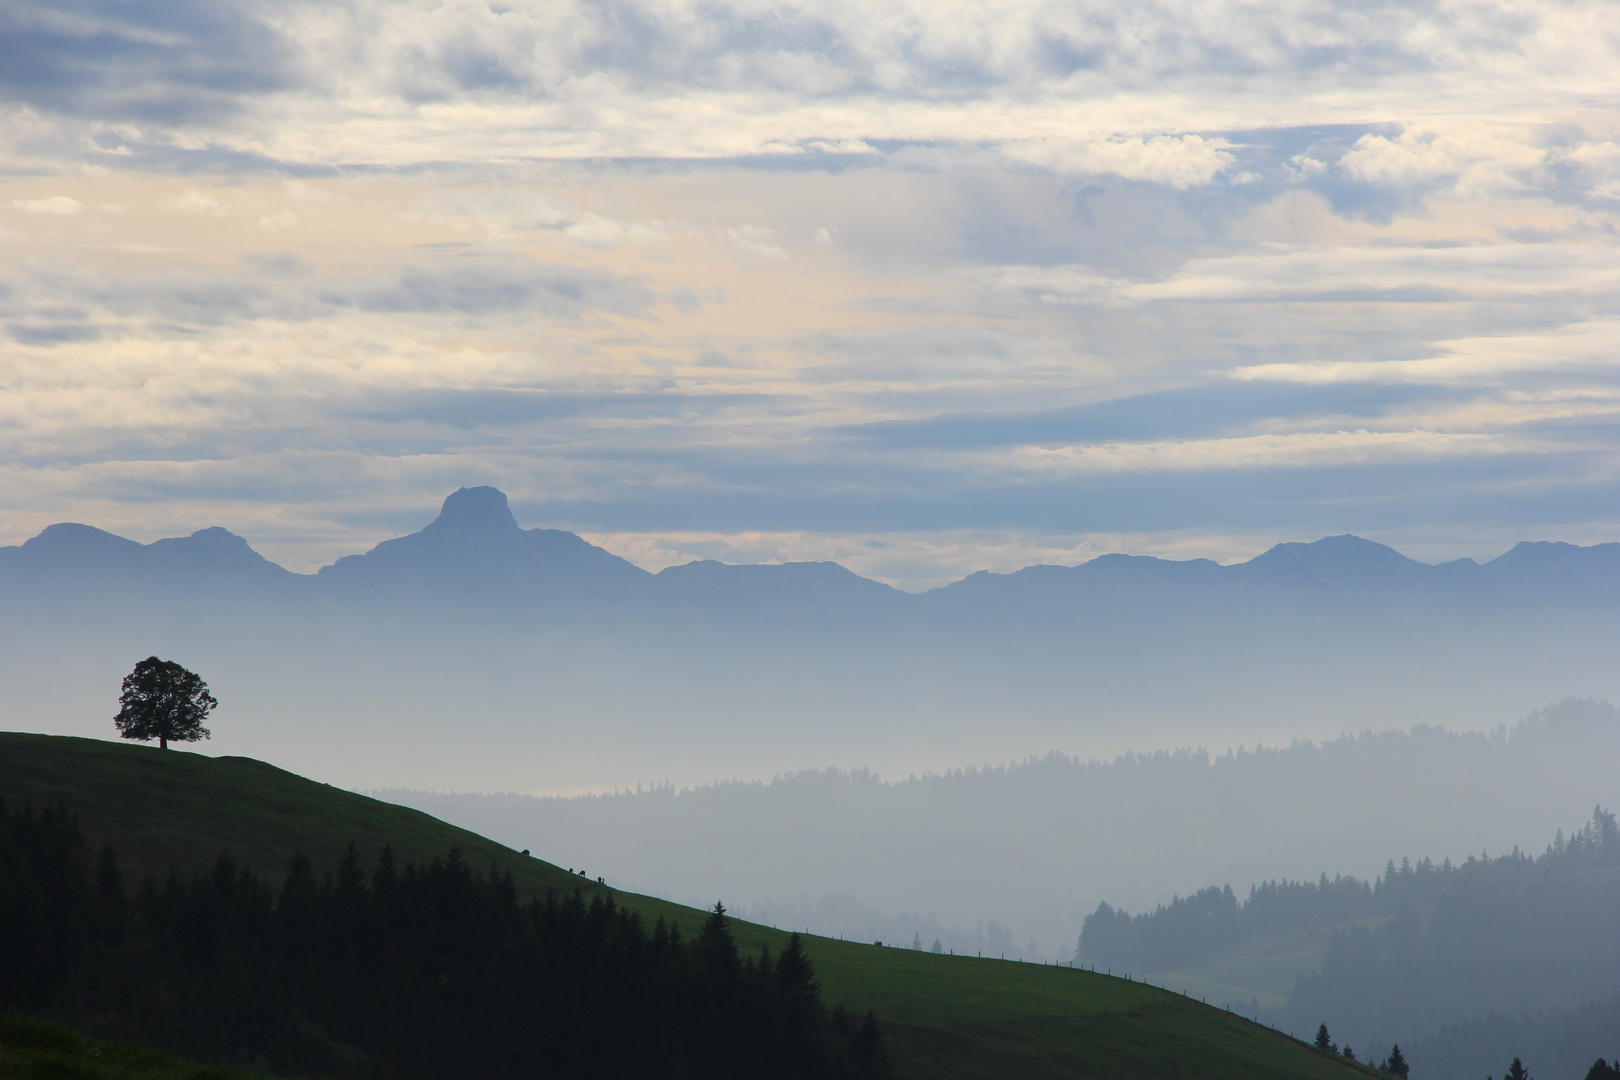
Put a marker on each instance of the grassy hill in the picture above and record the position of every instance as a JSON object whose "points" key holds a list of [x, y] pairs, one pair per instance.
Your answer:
{"points": [[947, 1016]]}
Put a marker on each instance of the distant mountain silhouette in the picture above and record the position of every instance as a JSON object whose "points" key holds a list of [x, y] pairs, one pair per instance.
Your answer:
{"points": [[474, 624], [475, 553], [78, 560], [475, 550], [1344, 564]]}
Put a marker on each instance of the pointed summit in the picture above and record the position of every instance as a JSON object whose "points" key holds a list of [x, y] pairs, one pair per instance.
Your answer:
{"points": [[1346, 563], [475, 510], [474, 550]]}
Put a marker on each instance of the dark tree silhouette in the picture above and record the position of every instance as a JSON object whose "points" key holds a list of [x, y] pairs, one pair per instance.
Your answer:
{"points": [[162, 700], [415, 972], [1602, 1070], [1396, 1064], [1517, 1071], [1324, 1041]]}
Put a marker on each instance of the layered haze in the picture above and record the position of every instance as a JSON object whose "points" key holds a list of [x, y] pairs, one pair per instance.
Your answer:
{"points": [[916, 471], [478, 656]]}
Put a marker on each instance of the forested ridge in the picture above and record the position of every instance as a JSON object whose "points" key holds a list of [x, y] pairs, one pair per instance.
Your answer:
{"points": [[1188, 928], [381, 972], [1509, 934], [1432, 955]]}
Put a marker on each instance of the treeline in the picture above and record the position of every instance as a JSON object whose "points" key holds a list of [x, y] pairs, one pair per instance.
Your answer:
{"points": [[1507, 935], [1189, 928], [399, 972], [1555, 1044]]}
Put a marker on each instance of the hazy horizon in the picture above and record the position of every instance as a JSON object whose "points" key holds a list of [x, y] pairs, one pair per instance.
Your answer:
{"points": [[1179, 552]]}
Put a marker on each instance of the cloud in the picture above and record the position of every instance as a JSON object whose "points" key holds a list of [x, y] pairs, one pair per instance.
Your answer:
{"points": [[1188, 413], [1311, 449], [686, 299], [33, 333], [60, 205], [1587, 349], [756, 240], [197, 201], [508, 407], [1177, 161], [475, 283], [283, 287], [1418, 274], [1140, 92], [168, 61], [278, 222]]}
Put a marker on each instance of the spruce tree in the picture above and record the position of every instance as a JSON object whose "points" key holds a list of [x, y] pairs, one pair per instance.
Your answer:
{"points": [[716, 945], [1324, 1041], [1517, 1071], [1396, 1064]]}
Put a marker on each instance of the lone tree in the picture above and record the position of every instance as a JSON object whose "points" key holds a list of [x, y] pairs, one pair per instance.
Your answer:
{"points": [[162, 700]]}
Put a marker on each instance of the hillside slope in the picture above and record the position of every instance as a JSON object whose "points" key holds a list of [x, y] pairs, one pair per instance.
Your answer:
{"points": [[947, 1016]]}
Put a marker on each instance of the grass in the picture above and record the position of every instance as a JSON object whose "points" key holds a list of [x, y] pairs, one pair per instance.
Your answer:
{"points": [[37, 1050], [1261, 968], [947, 1016]]}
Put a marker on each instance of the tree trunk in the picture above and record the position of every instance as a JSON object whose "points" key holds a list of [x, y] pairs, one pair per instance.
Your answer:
{"points": [[163, 743]]}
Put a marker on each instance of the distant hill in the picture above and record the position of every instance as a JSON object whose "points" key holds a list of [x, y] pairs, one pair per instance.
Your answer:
{"points": [[1460, 960], [848, 851], [947, 1016]]}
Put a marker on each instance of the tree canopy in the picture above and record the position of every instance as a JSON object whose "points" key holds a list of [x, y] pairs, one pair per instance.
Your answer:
{"points": [[162, 700]]}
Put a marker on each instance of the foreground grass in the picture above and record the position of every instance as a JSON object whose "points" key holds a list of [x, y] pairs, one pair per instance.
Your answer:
{"points": [[36, 1050], [951, 1016], [947, 1016]]}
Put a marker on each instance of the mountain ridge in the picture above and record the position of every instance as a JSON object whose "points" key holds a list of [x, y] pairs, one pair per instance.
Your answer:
{"points": [[475, 536]]}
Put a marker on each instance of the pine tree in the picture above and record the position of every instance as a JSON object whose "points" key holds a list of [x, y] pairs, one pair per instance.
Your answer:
{"points": [[1324, 1041], [1396, 1064], [1517, 1071], [716, 945]]}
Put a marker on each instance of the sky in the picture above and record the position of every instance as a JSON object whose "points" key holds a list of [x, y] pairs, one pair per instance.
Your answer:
{"points": [[923, 288]]}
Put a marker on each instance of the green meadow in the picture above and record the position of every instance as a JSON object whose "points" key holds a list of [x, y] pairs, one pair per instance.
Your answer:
{"points": [[946, 1016], [1261, 968]]}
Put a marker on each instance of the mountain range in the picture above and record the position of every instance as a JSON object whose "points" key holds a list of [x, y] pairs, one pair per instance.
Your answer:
{"points": [[566, 667], [475, 552]]}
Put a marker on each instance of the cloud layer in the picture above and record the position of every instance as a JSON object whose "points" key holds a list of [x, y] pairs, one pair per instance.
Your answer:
{"points": [[921, 288]]}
